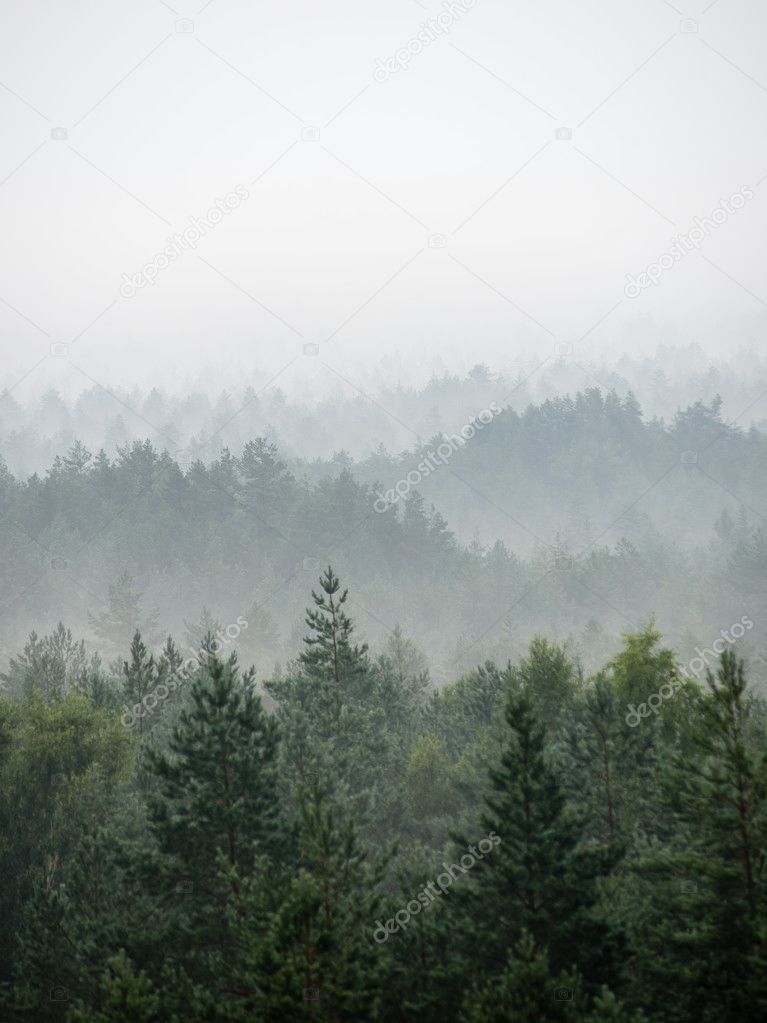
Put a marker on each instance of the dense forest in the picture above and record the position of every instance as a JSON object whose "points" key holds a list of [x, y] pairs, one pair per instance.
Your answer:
{"points": [[322, 413], [345, 841], [383, 512], [578, 518], [520, 779]]}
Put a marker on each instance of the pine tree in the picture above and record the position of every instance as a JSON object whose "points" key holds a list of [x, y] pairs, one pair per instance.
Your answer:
{"points": [[526, 992], [304, 935], [541, 878], [124, 616], [124, 995], [330, 659], [139, 678], [213, 814], [170, 661], [610, 765], [709, 882], [49, 666], [216, 784], [77, 458], [195, 635], [548, 676]]}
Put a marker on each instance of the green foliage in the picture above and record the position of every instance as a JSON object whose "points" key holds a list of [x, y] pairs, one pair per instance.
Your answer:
{"points": [[50, 666], [541, 879], [303, 936], [216, 792], [63, 766], [125, 995], [712, 872], [525, 992], [239, 874], [549, 677]]}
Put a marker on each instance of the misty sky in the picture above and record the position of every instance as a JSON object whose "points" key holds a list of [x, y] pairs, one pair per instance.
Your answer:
{"points": [[486, 200]]}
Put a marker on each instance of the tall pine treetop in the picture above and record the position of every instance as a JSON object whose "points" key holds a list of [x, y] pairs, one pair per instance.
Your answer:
{"points": [[329, 654]]}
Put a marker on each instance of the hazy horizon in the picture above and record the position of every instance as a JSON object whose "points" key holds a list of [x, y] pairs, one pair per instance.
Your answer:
{"points": [[429, 221]]}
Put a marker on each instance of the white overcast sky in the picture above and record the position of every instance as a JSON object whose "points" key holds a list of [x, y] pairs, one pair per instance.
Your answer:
{"points": [[433, 219]]}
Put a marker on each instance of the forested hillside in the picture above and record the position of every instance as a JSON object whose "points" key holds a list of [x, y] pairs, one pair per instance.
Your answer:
{"points": [[608, 519], [344, 842], [383, 512]]}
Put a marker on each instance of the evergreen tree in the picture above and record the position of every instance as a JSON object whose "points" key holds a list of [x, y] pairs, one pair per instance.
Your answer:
{"points": [[330, 659], [332, 714], [610, 766], [124, 995], [304, 935], [713, 914], [216, 782], [526, 992], [49, 666], [139, 678], [124, 617], [212, 812], [541, 878], [548, 676], [63, 767]]}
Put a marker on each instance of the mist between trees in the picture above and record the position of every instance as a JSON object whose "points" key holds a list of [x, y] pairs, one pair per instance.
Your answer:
{"points": [[209, 821], [656, 519]]}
